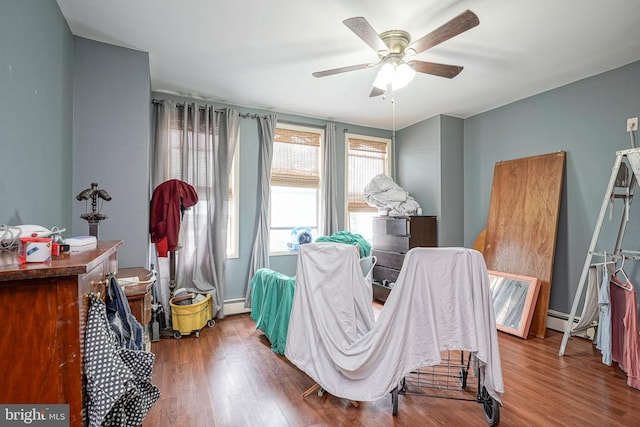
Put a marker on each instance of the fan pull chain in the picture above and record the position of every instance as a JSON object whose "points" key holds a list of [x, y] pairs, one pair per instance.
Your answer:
{"points": [[393, 136], [393, 117]]}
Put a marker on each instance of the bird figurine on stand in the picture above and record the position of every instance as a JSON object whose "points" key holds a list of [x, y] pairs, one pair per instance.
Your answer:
{"points": [[94, 217]]}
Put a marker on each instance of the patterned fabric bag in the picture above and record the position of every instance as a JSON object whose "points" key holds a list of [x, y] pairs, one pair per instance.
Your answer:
{"points": [[119, 389]]}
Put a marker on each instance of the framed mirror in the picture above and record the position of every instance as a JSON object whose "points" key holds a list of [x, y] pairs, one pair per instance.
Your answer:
{"points": [[514, 300]]}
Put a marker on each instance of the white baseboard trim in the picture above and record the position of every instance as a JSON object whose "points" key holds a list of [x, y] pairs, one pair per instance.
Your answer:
{"points": [[557, 321], [235, 306]]}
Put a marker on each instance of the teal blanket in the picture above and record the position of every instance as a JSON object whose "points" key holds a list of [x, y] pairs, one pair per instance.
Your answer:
{"points": [[349, 239], [271, 299]]}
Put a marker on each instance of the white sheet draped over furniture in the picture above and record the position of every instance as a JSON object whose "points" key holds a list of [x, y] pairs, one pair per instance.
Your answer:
{"points": [[441, 301]]}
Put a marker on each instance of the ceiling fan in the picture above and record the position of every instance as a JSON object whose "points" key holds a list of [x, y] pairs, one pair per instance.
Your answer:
{"points": [[394, 52]]}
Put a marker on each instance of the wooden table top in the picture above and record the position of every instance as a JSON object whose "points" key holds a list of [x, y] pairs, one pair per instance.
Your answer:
{"points": [[79, 260]]}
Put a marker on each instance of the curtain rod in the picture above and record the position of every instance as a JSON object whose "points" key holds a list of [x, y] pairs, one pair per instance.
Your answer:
{"points": [[291, 122], [243, 115], [254, 116]]}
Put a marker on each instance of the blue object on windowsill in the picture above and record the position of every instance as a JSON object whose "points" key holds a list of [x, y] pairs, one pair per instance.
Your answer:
{"points": [[299, 236]]}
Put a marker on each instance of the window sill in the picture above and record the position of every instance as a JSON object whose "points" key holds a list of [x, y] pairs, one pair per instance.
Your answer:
{"points": [[283, 253]]}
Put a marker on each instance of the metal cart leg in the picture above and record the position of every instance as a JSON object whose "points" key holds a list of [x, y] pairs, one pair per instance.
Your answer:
{"points": [[394, 401], [490, 406]]}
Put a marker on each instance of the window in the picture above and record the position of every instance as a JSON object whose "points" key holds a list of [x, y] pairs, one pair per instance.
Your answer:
{"points": [[367, 157], [295, 185], [197, 150]]}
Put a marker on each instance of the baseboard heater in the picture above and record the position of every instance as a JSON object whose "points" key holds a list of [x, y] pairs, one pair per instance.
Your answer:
{"points": [[557, 321], [235, 306]]}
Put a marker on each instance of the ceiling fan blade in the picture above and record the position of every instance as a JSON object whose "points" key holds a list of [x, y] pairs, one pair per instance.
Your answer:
{"points": [[340, 70], [441, 70], [361, 27], [376, 92], [461, 23]]}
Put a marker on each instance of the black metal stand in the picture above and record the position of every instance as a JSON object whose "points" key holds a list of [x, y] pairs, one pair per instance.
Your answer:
{"points": [[94, 217]]}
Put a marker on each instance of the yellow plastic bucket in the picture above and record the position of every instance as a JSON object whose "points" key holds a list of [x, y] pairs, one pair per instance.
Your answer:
{"points": [[191, 318]]}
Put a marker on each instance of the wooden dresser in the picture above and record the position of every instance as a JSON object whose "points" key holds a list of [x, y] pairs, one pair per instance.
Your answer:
{"points": [[393, 236], [44, 314]]}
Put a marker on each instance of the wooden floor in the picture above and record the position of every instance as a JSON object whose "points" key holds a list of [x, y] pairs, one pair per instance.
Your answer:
{"points": [[230, 377]]}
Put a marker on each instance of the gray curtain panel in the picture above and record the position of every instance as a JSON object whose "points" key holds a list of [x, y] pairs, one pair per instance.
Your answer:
{"points": [[202, 156], [160, 172], [329, 183], [260, 251]]}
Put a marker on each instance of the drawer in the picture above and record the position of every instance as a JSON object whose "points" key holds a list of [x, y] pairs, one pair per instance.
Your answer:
{"points": [[423, 231], [94, 281], [391, 243], [385, 273], [380, 292], [388, 259], [397, 226], [419, 230], [140, 303]]}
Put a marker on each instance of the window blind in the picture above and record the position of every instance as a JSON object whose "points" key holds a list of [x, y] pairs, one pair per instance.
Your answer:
{"points": [[366, 159], [296, 158]]}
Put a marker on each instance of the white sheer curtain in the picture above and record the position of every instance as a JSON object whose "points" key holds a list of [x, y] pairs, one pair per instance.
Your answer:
{"points": [[260, 251], [195, 144], [329, 183]]}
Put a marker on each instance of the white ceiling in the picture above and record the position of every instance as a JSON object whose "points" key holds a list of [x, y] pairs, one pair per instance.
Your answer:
{"points": [[260, 54]]}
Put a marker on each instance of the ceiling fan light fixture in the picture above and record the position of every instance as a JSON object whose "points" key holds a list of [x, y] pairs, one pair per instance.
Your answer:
{"points": [[397, 75], [385, 76], [404, 73]]}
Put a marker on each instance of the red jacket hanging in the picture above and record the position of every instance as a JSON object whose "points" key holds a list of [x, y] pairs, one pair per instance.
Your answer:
{"points": [[167, 202]]}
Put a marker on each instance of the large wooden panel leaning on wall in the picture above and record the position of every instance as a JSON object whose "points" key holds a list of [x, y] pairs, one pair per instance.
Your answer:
{"points": [[522, 224], [44, 308]]}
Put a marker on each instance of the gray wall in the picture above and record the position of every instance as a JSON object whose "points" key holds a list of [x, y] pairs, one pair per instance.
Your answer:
{"points": [[451, 226], [111, 137], [36, 60], [418, 168], [429, 157], [587, 119], [72, 111]]}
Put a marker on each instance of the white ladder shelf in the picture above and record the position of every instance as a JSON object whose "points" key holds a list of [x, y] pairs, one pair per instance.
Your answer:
{"points": [[618, 188]]}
